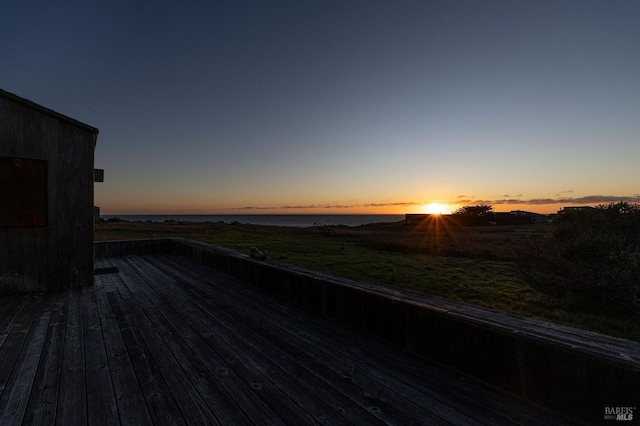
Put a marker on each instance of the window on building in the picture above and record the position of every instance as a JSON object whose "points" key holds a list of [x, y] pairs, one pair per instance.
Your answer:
{"points": [[23, 192]]}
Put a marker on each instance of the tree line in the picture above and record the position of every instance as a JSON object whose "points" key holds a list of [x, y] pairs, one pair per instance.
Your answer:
{"points": [[590, 255]]}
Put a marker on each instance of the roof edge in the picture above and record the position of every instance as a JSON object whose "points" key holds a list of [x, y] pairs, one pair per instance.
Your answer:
{"points": [[35, 106]]}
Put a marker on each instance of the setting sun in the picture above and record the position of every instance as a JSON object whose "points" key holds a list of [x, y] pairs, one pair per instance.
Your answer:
{"points": [[436, 208]]}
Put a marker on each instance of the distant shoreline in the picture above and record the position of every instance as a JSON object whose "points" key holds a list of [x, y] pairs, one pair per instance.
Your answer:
{"points": [[295, 220]]}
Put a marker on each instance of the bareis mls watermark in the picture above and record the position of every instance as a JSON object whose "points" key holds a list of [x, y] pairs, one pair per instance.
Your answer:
{"points": [[619, 413]]}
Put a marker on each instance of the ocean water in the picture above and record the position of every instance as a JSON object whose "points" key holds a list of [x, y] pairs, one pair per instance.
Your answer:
{"points": [[294, 220]]}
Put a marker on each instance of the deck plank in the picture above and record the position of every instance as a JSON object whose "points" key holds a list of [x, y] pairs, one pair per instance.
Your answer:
{"points": [[161, 405], [323, 374], [72, 394], [102, 409], [43, 399], [131, 405], [9, 310], [446, 392], [375, 390], [162, 340], [217, 377], [15, 398], [226, 339], [161, 343], [16, 334]]}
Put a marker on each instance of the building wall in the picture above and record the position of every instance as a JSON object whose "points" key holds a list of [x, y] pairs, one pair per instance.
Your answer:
{"points": [[59, 254]]}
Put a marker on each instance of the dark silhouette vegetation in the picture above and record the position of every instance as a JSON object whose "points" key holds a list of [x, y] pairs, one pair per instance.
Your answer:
{"points": [[483, 214], [589, 256], [474, 215]]}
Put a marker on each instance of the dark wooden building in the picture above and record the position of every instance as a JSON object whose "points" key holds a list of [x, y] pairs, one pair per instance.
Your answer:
{"points": [[46, 198]]}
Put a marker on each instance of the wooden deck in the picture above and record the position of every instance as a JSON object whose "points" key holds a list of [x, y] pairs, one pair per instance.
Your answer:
{"points": [[161, 340]]}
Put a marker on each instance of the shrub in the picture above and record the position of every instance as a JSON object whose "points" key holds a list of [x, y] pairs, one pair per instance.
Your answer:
{"points": [[590, 255], [474, 215], [116, 219]]}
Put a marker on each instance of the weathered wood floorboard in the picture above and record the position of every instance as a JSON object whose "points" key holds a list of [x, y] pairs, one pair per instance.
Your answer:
{"points": [[320, 369], [43, 399], [15, 323], [160, 404], [232, 391], [72, 394], [16, 334], [339, 355], [9, 310], [446, 392], [18, 386], [101, 410], [192, 408], [228, 337], [162, 340], [436, 385]]}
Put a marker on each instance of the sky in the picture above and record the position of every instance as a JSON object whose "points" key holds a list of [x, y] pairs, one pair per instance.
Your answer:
{"points": [[349, 106]]}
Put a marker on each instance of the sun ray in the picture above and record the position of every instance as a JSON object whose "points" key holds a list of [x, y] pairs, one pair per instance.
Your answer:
{"points": [[436, 233]]}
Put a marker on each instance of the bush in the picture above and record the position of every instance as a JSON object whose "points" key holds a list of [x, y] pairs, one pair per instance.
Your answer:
{"points": [[590, 255], [474, 215], [116, 219]]}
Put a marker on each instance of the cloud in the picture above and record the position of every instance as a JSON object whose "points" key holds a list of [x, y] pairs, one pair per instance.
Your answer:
{"points": [[252, 208], [330, 206], [585, 200], [401, 204], [591, 199], [588, 199]]}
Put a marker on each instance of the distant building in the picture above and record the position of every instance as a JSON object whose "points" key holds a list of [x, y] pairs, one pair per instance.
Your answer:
{"points": [[414, 218], [521, 216], [514, 217], [573, 209], [422, 218], [46, 198]]}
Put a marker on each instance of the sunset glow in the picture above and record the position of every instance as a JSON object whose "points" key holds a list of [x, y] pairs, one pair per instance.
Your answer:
{"points": [[437, 208]]}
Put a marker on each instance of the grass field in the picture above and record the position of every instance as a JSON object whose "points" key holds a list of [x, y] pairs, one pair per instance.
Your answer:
{"points": [[470, 264]]}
